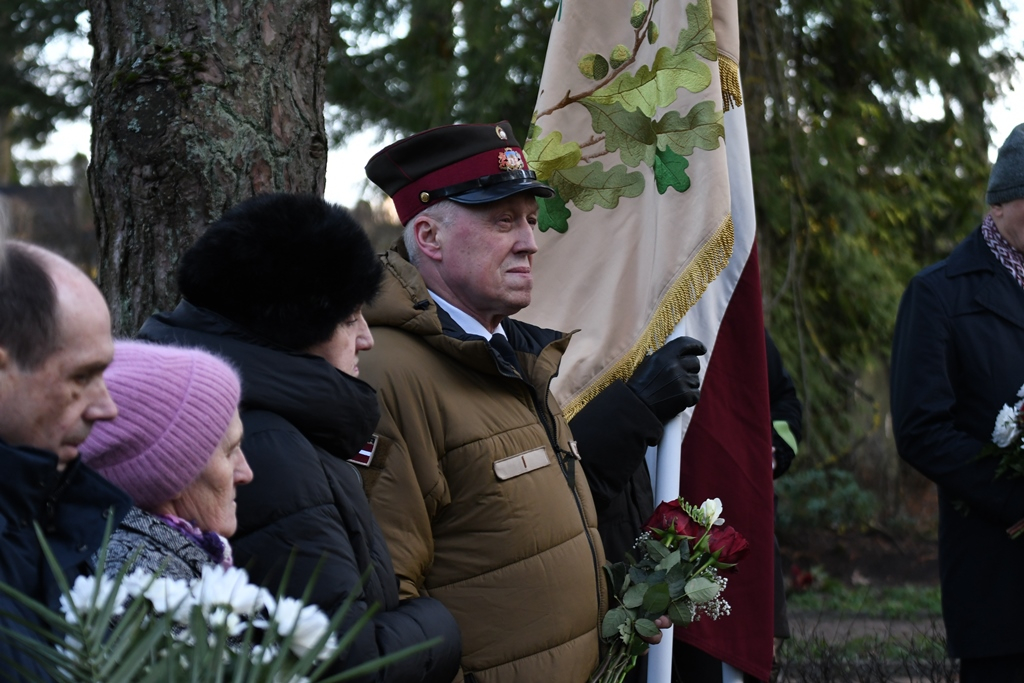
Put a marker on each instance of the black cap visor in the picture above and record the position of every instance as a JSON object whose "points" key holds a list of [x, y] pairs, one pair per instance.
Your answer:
{"points": [[502, 190], [494, 187]]}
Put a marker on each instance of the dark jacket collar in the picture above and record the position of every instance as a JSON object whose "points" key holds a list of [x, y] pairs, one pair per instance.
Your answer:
{"points": [[335, 411], [72, 507], [995, 293]]}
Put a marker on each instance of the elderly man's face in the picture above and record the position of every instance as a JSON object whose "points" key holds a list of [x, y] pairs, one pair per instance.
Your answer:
{"points": [[54, 405], [1009, 218], [488, 257]]}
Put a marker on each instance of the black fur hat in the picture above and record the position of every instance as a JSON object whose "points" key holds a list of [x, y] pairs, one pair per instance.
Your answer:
{"points": [[286, 267]]}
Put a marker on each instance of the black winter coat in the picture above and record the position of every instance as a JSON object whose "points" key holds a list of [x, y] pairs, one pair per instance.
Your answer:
{"points": [[958, 356], [785, 406], [303, 419], [613, 432], [72, 507]]}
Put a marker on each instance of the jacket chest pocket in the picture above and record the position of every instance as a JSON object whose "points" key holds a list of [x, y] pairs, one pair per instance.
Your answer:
{"points": [[521, 463]]}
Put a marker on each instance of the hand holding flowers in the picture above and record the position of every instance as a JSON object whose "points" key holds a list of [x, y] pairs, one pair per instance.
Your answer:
{"points": [[1007, 445], [676, 573]]}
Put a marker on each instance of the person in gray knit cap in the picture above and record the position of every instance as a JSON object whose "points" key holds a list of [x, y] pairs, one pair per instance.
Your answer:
{"points": [[956, 360]]}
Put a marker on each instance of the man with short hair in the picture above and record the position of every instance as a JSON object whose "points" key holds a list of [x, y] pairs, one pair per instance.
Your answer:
{"points": [[956, 360], [55, 343], [474, 475]]}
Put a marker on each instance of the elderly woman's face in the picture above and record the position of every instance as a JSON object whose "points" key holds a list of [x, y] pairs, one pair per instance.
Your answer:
{"points": [[342, 349], [209, 501]]}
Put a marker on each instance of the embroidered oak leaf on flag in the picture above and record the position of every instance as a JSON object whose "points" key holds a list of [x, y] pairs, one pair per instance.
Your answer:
{"points": [[622, 106]]}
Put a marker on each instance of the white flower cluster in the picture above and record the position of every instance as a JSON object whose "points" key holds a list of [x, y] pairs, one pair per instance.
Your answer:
{"points": [[225, 598], [1007, 427], [717, 606]]}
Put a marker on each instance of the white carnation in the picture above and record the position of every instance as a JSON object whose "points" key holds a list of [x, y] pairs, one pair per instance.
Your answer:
{"points": [[1006, 431]]}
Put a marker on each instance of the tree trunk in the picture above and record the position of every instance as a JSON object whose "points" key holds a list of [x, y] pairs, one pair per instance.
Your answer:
{"points": [[196, 106]]}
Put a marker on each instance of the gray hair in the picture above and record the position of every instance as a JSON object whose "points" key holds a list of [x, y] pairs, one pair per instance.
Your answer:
{"points": [[443, 212]]}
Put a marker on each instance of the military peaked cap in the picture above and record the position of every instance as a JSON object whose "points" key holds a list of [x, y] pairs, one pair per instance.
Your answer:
{"points": [[466, 163]]}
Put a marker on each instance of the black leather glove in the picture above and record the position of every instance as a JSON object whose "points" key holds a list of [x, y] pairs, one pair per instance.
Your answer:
{"points": [[668, 380]]}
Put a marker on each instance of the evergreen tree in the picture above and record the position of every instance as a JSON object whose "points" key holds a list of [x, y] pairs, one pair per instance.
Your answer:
{"points": [[857, 185], [408, 65], [34, 95]]}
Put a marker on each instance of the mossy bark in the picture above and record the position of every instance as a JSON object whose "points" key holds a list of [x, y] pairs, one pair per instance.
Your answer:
{"points": [[196, 106]]}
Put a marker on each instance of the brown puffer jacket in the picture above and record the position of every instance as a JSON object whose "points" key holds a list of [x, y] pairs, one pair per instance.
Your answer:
{"points": [[481, 499]]}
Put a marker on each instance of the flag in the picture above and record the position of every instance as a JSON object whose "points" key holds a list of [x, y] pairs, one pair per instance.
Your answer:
{"points": [[628, 130], [639, 128]]}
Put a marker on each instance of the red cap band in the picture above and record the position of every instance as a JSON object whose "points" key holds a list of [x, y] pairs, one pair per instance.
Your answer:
{"points": [[407, 200]]}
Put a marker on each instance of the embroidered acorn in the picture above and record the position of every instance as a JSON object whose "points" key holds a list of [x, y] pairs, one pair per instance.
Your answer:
{"points": [[637, 16], [620, 55], [593, 66]]}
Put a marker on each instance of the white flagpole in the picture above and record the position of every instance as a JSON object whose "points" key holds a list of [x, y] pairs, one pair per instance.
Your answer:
{"points": [[664, 463], [704, 316]]}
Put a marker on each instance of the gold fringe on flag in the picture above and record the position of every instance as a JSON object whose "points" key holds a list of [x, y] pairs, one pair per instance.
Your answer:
{"points": [[729, 72], [708, 264]]}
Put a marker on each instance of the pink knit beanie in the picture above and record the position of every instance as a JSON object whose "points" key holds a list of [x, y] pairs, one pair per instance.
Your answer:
{"points": [[174, 407]]}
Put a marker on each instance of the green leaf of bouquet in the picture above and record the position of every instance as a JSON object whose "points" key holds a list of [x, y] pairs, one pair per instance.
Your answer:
{"points": [[646, 628], [656, 550], [590, 185], [655, 86], [699, 34], [631, 133], [634, 597], [593, 66], [676, 579], [549, 154], [552, 214], [613, 619], [670, 171], [700, 589], [657, 599], [671, 560], [701, 127], [618, 577], [637, 575], [679, 613]]}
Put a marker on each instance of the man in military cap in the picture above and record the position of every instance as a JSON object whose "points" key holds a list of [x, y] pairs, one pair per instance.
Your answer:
{"points": [[475, 477]]}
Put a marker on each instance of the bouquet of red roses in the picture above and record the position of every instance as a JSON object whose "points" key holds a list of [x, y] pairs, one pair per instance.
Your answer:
{"points": [[675, 573]]}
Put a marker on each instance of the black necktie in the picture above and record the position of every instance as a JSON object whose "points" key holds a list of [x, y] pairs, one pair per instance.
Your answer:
{"points": [[504, 349]]}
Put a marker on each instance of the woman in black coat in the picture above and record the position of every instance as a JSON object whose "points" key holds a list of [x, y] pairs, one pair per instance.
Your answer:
{"points": [[275, 286]]}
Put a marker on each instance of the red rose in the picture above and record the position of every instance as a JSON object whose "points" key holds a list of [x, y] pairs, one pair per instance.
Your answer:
{"points": [[671, 515], [731, 542]]}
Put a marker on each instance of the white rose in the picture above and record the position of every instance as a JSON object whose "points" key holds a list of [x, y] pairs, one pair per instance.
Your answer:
{"points": [[711, 510]]}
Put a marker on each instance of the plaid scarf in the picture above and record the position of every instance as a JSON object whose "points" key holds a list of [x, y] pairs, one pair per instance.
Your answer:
{"points": [[215, 545], [1011, 259]]}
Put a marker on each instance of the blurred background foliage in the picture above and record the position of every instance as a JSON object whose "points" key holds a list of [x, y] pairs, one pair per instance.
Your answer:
{"points": [[34, 94], [869, 147]]}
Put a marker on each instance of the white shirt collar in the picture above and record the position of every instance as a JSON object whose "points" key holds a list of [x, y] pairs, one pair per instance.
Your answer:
{"points": [[468, 323]]}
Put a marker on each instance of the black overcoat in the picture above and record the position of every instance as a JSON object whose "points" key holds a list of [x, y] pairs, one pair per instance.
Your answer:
{"points": [[303, 420], [958, 356]]}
